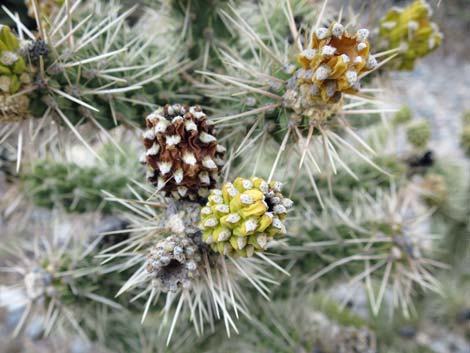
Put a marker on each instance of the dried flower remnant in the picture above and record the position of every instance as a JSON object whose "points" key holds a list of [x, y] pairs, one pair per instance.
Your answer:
{"points": [[36, 49], [244, 217], [331, 66], [173, 263], [411, 31], [182, 152]]}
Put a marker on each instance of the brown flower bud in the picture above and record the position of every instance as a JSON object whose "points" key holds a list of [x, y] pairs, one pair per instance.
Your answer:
{"points": [[182, 152]]}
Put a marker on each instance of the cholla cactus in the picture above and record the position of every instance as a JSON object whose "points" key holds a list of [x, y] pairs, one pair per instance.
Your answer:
{"points": [[244, 217], [73, 187], [74, 184], [54, 277], [81, 71], [118, 331], [300, 95], [388, 233], [183, 154], [303, 324], [366, 178], [418, 133], [272, 22], [411, 31], [287, 88], [170, 258], [200, 25], [13, 108]]}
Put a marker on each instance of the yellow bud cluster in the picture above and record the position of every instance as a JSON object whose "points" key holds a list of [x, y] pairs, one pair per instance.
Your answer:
{"points": [[12, 65], [13, 77], [410, 30], [244, 216]]}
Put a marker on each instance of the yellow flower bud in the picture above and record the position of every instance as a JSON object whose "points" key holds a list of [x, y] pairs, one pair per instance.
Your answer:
{"points": [[221, 234], [264, 222], [257, 210], [411, 30], [246, 228], [238, 243], [242, 184], [231, 220]]}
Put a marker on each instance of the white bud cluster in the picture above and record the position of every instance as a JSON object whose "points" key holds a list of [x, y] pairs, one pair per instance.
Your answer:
{"points": [[173, 263]]}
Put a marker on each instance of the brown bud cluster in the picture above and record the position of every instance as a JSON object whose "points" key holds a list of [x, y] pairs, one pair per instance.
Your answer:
{"points": [[182, 152]]}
